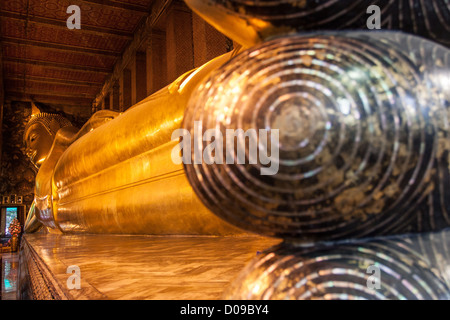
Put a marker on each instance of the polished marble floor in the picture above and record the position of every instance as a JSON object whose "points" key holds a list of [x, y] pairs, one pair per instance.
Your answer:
{"points": [[147, 267], [9, 269]]}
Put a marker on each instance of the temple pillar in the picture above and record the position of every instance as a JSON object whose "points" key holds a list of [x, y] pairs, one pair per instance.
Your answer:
{"points": [[106, 102], [115, 100], [179, 42], [156, 62], [141, 75], [208, 42], [132, 67], [125, 90]]}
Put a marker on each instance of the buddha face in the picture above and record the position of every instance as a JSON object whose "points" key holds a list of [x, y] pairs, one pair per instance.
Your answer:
{"points": [[38, 143]]}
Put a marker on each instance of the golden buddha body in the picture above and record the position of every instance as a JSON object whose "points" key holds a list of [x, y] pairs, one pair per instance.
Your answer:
{"points": [[115, 175], [352, 163]]}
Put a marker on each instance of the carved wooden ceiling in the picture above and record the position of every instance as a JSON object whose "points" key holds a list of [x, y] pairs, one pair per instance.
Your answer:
{"points": [[44, 61]]}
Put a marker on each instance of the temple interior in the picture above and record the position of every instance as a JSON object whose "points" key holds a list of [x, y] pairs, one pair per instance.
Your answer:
{"points": [[114, 184]]}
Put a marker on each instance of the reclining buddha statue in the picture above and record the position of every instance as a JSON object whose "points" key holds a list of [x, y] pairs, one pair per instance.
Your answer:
{"points": [[115, 174], [363, 135], [362, 122]]}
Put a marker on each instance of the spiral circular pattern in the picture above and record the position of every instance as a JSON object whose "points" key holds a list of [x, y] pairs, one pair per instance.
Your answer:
{"points": [[395, 269], [361, 117], [429, 18]]}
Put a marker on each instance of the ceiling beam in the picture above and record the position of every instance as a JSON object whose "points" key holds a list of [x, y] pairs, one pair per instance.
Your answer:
{"points": [[58, 65], [68, 104], [121, 5], [48, 98], [21, 96], [33, 92], [43, 71], [21, 50], [100, 31], [53, 81], [60, 47]]}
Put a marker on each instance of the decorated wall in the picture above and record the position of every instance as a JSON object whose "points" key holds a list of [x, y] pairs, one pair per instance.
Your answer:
{"points": [[17, 173]]}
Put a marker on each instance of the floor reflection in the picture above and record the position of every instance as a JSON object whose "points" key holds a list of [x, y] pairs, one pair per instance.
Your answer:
{"points": [[9, 269], [406, 267]]}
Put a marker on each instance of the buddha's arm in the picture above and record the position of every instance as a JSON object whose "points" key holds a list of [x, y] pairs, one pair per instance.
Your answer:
{"points": [[99, 118]]}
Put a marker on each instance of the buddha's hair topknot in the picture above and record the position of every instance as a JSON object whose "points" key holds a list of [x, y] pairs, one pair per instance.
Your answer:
{"points": [[46, 120]]}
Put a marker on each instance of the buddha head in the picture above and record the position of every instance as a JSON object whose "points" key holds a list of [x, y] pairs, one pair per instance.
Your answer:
{"points": [[39, 134]]}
